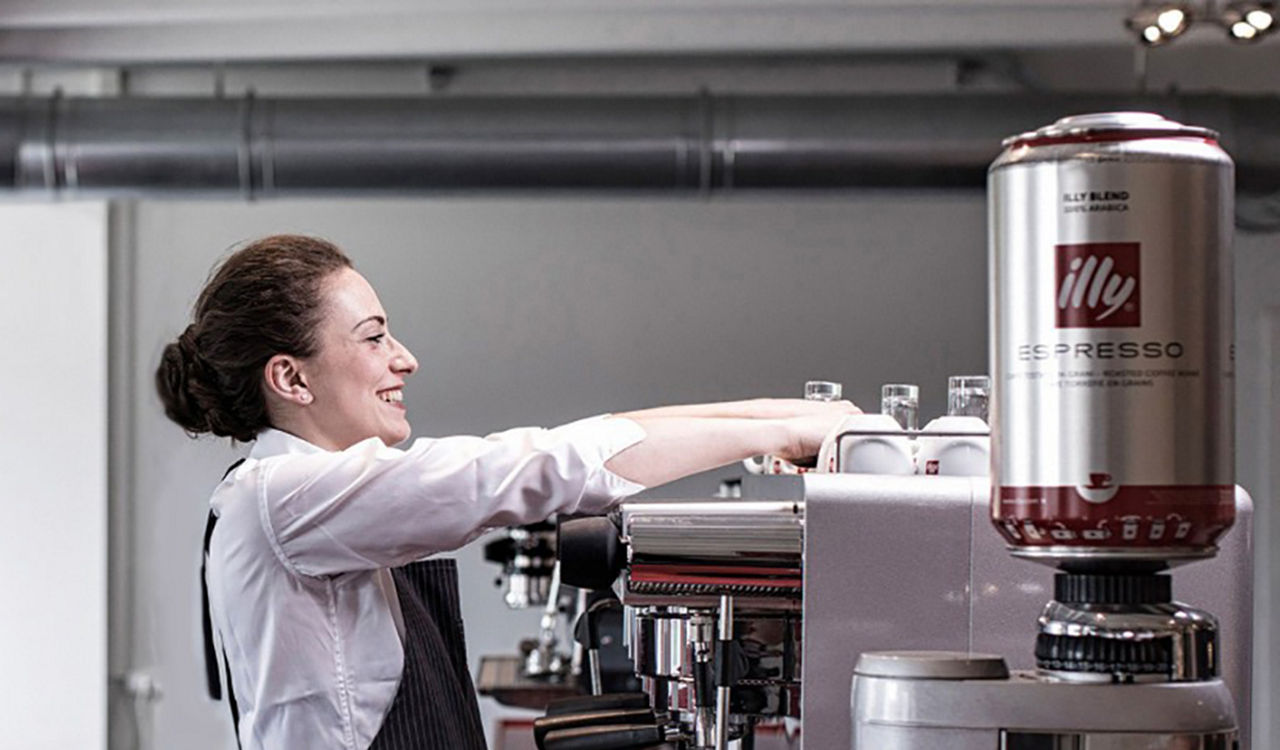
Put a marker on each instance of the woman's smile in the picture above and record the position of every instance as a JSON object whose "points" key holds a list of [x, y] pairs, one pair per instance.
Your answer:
{"points": [[357, 356]]}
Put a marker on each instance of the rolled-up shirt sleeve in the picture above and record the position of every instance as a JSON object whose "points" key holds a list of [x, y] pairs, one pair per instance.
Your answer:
{"points": [[371, 506]]}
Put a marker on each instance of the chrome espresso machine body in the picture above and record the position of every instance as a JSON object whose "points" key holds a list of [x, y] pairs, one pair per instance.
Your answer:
{"points": [[884, 562], [881, 561], [714, 593]]}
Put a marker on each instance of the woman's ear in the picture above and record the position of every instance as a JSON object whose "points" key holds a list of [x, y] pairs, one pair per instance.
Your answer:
{"points": [[284, 379]]}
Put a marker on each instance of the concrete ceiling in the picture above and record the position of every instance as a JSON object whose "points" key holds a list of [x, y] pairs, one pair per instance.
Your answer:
{"points": [[168, 31]]}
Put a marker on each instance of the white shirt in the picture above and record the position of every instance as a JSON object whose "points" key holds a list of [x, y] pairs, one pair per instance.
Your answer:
{"points": [[299, 585]]}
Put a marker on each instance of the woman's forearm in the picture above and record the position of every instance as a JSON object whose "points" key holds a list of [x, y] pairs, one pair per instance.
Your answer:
{"points": [[677, 446]]}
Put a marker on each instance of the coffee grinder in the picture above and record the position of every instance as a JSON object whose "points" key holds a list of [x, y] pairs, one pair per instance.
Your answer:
{"points": [[1112, 449]]}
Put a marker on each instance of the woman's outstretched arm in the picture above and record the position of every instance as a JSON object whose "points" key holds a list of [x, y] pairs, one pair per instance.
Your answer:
{"points": [[679, 441]]}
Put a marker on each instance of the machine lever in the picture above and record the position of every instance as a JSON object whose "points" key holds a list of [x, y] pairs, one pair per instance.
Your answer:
{"points": [[626, 737], [628, 716], [587, 632]]}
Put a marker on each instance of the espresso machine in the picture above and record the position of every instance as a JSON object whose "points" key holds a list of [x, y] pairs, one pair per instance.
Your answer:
{"points": [[1112, 453], [776, 594], [712, 592], [817, 569]]}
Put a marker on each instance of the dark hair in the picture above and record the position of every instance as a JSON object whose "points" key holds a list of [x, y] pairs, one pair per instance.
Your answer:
{"points": [[261, 301]]}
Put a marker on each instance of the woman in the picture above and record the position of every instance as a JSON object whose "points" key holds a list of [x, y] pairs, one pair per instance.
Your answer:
{"points": [[337, 632]]}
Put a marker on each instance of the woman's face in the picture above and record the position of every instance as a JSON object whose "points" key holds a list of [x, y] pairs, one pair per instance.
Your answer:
{"points": [[356, 377]]}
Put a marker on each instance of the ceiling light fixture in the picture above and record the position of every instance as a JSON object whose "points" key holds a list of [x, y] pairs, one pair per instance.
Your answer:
{"points": [[1156, 23], [1262, 18], [1249, 21]]}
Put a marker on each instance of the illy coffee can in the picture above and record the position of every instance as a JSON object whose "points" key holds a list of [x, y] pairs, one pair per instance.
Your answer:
{"points": [[1112, 342]]}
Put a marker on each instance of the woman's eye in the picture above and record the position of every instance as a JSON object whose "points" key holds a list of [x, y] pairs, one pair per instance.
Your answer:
{"points": [[377, 339]]}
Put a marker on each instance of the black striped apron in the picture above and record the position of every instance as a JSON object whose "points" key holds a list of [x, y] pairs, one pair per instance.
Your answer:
{"points": [[435, 707]]}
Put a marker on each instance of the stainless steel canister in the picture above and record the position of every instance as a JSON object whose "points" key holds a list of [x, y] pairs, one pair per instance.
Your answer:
{"points": [[1112, 341]]}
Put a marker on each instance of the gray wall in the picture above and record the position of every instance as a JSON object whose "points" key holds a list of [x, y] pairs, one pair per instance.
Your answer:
{"points": [[541, 311]]}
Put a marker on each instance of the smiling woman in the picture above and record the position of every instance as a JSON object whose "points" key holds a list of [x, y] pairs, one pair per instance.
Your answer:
{"points": [[337, 630]]}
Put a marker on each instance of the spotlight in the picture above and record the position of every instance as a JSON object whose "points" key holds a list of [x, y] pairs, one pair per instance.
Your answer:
{"points": [[1243, 31], [1172, 21], [1261, 19], [1158, 23], [1249, 21]]}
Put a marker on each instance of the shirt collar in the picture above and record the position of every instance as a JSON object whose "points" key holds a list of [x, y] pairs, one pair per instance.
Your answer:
{"points": [[273, 442]]}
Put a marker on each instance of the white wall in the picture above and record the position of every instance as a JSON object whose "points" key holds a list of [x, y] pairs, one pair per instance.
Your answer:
{"points": [[540, 311], [53, 476]]}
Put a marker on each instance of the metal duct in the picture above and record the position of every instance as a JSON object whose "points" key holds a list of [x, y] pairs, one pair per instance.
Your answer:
{"points": [[698, 144]]}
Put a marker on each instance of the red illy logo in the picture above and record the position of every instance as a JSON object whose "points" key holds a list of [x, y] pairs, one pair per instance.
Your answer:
{"points": [[1098, 285]]}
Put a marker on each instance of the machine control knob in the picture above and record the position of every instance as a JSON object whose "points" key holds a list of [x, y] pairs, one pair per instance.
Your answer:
{"points": [[591, 552], [1123, 624], [1073, 653]]}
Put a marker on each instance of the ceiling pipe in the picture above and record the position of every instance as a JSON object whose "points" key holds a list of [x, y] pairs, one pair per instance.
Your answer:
{"points": [[697, 144]]}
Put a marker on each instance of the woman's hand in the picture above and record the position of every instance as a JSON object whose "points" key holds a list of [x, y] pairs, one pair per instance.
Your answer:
{"points": [[809, 431]]}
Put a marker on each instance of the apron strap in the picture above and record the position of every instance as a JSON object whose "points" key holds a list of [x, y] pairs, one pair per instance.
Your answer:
{"points": [[210, 651]]}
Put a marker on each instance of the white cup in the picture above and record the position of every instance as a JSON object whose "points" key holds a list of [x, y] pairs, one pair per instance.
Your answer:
{"points": [[878, 446], [956, 456]]}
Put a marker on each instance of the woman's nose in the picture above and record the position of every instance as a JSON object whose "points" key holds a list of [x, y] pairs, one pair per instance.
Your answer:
{"points": [[403, 359]]}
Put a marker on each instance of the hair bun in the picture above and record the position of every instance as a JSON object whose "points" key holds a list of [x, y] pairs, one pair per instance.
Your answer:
{"points": [[178, 380]]}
